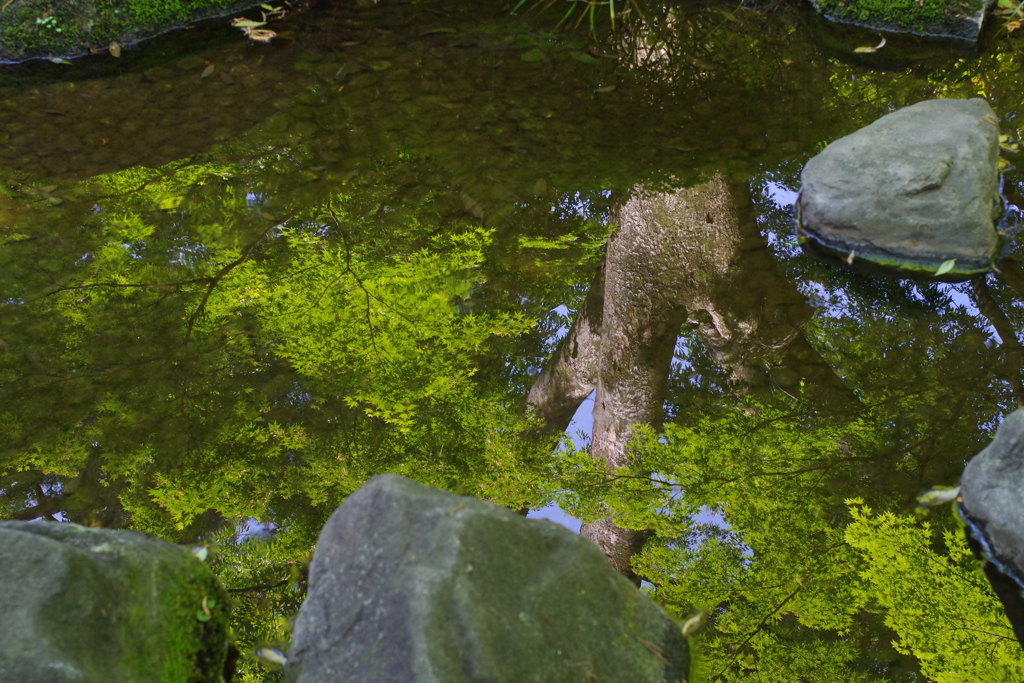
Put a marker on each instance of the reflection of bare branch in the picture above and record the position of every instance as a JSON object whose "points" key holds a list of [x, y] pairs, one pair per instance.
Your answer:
{"points": [[571, 374], [1013, 351], [754, 631], [221, 274], [260, 588]]}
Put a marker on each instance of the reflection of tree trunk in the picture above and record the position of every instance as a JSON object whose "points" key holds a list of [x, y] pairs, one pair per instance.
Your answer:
{"points": [[690, 254]]}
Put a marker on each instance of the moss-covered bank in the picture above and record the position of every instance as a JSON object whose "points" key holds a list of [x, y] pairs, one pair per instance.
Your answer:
{"points": [[941, 18], [46, 29]]}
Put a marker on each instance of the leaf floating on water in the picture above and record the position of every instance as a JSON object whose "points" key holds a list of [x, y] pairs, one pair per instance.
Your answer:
{"points": [[607, 88], [946, 267], [114, 48], [260, 35], [534, 55], [272, 654], [208, 71], [243, 23], [59, 60], [202, 552], [938, 496], [876, 48]]}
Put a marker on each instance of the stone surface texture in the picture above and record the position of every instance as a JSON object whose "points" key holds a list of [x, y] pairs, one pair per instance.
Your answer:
{"points": [[912, 190], [992, 490], [410, 584], [94, 605]]}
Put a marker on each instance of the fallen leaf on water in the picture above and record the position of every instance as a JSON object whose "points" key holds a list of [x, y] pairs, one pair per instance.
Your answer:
{"points": [[272, 654], [260, 35], [208, 71], [59, 60], [242, 22], [350, 43], [876, 48], [114, 48], [946, 267], [787, 62], [607, 88]]}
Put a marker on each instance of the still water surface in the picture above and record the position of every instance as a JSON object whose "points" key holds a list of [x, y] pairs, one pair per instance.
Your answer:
{"points": [[238, 280]]}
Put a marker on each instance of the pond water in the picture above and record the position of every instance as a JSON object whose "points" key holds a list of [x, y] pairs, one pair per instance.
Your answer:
{"points": [[239, 279]]}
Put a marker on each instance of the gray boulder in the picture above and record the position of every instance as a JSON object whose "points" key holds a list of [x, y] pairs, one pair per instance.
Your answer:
{"points": [[414, 585], [992, 506], [94, 605], [913, 190]]}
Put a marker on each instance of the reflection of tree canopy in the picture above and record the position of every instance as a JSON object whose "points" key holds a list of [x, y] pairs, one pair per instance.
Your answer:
{"points": [[181, 352], [365, 284]]}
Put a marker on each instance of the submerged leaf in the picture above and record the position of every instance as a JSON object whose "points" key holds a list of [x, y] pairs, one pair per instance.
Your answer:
{"points": [[534, 55], [876, 48], [946, 267]]}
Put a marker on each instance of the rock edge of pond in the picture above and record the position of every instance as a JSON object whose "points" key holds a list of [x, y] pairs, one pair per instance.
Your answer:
{"points": [[915, 193], [42, 29], [956, 19]]}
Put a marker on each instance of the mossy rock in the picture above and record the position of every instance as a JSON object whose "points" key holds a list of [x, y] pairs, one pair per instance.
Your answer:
{"points": [[31, 29], [102, 606], [410, 584], [960, 19]]}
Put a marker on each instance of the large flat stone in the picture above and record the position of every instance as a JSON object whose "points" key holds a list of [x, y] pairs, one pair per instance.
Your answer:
{"points": [[414, 585], [83, 605], [911, 191]]}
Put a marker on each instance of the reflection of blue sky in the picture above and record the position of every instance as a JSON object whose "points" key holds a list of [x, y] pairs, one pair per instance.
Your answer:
{"points": [[579, 431]]}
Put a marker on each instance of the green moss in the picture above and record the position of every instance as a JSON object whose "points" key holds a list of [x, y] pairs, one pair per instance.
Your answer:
{"points": [[900, 14], [42, 28], [188, 649]]}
